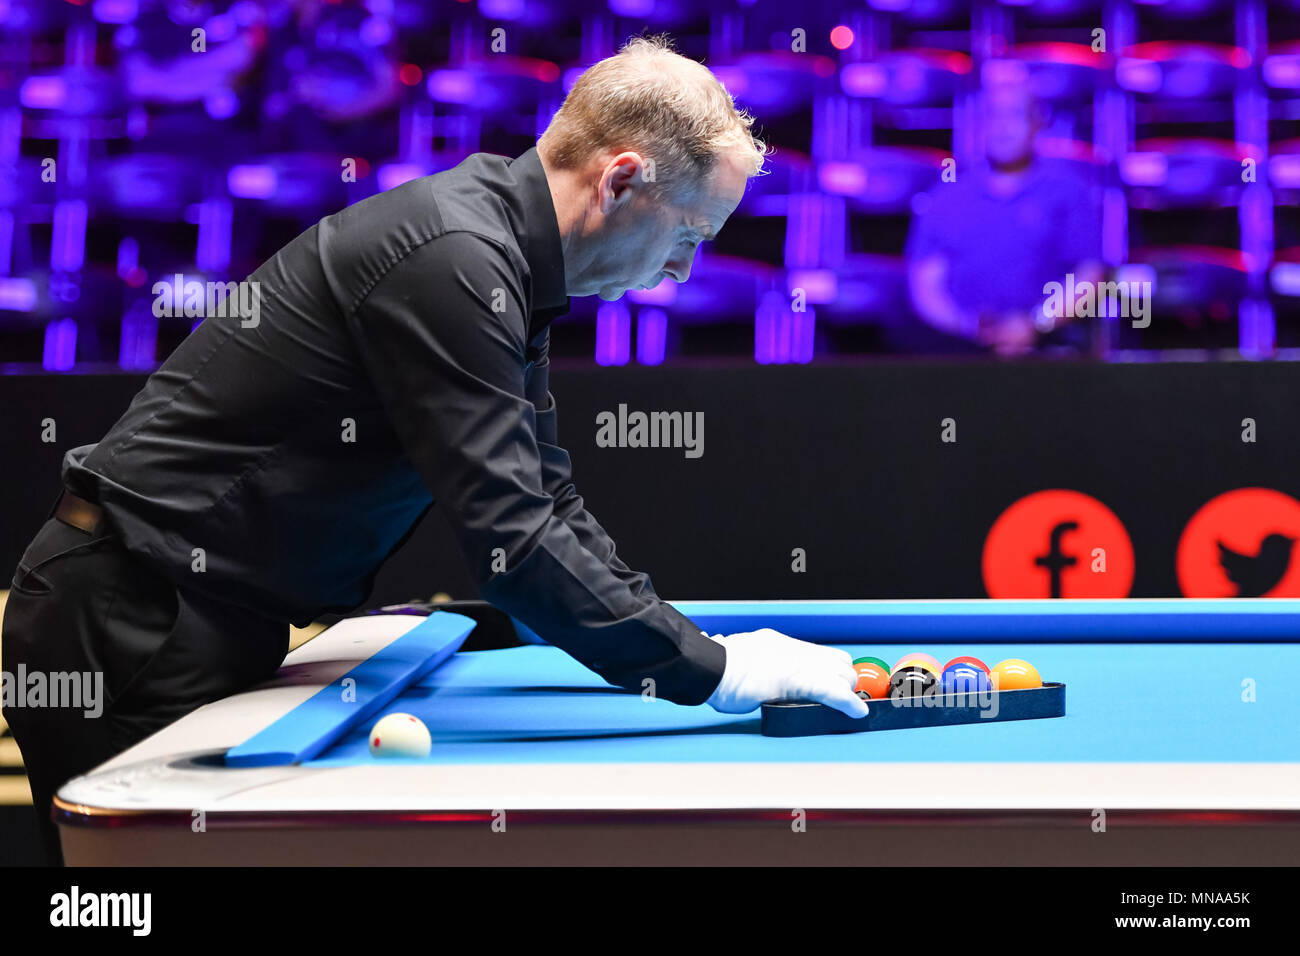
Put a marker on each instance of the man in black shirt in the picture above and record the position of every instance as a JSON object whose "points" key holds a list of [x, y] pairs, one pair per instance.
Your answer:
{"points": [[397, 357]]}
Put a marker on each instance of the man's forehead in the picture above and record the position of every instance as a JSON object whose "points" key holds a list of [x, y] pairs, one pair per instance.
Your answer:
{"points": [[708, 217], [723, 192]]}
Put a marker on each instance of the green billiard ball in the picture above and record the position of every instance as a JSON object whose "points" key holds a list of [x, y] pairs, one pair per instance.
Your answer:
{"points": [[872, 660]]}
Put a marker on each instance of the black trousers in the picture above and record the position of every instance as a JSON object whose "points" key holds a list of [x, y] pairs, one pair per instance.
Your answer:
{"points": [[80, 604]]}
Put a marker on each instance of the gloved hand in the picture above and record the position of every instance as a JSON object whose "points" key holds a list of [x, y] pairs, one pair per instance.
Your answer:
{"points": [[765, 665]]}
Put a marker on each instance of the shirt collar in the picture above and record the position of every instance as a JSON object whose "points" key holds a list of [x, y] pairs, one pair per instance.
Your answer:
{"points": [[541, 242]]}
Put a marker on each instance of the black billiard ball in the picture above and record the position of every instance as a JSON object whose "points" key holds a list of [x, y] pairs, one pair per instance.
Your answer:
{"points": [[912, 682]]}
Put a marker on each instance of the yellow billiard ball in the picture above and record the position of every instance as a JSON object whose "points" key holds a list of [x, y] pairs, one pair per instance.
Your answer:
{"points": [[927, 665], [1015, 674]]}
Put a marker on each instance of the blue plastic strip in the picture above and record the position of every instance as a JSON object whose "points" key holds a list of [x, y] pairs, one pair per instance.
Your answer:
{"points": [[316, 723], [1068, 620]]}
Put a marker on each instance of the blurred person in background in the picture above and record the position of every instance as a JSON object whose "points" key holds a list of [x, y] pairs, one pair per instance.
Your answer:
{"points": [[982, 248]]}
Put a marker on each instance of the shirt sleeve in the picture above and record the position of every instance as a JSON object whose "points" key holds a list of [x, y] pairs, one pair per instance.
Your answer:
{"points": [[925, 232], [557, 475], [443, 337]]}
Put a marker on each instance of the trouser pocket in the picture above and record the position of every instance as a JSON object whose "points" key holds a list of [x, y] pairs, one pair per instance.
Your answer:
{"points": [[54, 542], [60, 659], [62, 591]]}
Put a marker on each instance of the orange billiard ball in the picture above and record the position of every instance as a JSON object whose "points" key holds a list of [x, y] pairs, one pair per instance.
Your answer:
{"points": [[873, 681]]}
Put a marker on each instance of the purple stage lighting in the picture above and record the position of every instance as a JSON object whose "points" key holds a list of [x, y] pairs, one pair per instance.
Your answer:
{"points": [[251, 181], [843, 179], [632, 8], [392, 175], [780, 334], [60, 345], [116, 11], [68, 242], [1282, 71], [139, 340], [651, 336], [451, 86], [501, 9], [1285, 279], [613, 334], [221, 103], [1284, 170], [17, 295], [665, 293], [1144, 169], [818, 285], [43, 92]]}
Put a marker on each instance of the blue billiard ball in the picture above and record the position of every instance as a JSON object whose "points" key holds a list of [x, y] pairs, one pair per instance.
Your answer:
{"points": [[964, 678]]}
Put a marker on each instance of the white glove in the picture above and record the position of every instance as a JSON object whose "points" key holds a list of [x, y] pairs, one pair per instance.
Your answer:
{"points": [[766, 665]]}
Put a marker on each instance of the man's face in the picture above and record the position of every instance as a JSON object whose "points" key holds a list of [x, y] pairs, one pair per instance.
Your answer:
{"points": [[1009, 125], [642, 240]]}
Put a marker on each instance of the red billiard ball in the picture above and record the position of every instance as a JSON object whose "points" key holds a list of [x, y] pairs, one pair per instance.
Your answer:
{"points": [[974, 661]]}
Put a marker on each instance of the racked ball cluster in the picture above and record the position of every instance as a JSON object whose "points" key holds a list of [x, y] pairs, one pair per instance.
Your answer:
{"points": [[917, 673]]}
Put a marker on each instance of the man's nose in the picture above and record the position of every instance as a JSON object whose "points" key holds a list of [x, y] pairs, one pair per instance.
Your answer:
{"points": [[679, 270]]}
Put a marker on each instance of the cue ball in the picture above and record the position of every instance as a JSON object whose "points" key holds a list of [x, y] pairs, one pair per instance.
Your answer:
{"points": [[400, 735], [1015, 674]]}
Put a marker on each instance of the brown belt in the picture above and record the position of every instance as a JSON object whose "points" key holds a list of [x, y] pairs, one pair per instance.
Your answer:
{"points": [[80, 513]]}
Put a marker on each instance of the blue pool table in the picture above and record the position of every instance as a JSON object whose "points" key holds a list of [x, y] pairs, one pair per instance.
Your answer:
{"points": [[1179, 745]]}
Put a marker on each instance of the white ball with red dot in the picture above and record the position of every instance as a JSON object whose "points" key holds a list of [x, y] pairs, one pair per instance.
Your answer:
{"points": [[400, 735]]}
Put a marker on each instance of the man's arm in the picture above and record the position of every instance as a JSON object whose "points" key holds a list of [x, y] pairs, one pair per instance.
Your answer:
{"points": [[929, 264], [449, 368], [927, 283], [557, 475]]}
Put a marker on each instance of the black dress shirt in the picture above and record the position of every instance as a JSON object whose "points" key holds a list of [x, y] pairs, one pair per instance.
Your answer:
{"points": [[400, 358]]}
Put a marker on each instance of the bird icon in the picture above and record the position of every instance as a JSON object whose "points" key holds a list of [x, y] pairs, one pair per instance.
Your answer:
{"points": [[1257, 574]]}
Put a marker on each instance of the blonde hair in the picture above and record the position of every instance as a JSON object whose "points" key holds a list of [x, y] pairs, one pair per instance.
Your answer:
{"points": [[668, 107]]}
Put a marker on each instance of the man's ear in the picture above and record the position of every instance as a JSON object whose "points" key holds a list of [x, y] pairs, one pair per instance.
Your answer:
{"points": [[621, 180]]}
